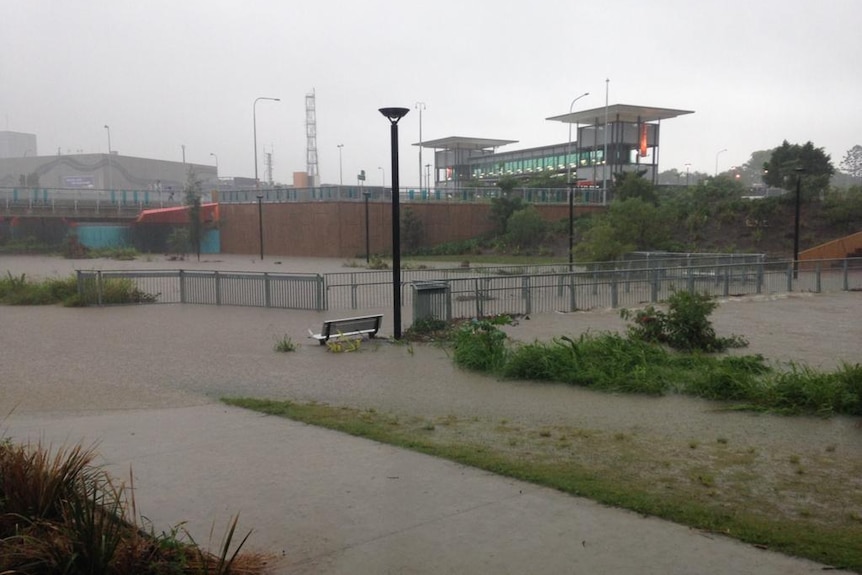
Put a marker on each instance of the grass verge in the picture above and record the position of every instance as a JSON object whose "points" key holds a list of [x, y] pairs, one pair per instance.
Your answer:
{"points": [[798, 506]]}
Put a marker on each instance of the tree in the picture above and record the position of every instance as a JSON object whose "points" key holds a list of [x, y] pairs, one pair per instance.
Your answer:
{"points": [[628, 225], [815, 165], [192, 192], [412, 231], [752, 170], [502, 208], [526, 228], [633, 185], [852, 162]]}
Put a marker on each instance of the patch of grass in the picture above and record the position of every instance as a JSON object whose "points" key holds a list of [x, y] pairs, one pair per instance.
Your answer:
{"points": [[602, 471], [285, 344]]}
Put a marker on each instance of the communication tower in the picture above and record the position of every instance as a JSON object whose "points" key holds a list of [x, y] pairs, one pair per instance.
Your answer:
{"points": [[311, 141]]}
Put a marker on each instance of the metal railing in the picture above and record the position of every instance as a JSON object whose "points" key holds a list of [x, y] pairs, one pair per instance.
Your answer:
{"points": [[472, 292]]}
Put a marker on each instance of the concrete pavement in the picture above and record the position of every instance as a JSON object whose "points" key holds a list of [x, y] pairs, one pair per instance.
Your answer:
{"points": [[325, 502]]}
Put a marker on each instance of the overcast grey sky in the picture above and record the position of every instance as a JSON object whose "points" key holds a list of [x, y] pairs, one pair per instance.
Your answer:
{"points": [[168, 73]]}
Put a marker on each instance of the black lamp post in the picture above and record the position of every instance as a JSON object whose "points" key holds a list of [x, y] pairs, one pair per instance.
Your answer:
{"points": [[260, 222], [394, 115], [367, 195], [796, 222]]}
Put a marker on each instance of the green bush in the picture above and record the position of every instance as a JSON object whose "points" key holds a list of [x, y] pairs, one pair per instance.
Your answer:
{"points": [[481, 345], [686, 325]]}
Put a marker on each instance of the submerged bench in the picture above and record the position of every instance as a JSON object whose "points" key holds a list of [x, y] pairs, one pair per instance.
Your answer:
{"points": [[362, 325]]}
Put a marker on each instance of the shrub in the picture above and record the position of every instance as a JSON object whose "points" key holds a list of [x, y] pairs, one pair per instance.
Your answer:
{"points": [[686, 325], [285, 344], [481, 345]]}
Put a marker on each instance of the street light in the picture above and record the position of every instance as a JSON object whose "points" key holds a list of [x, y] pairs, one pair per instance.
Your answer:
{"points": [[717, 154], [110, 175], [687, 174], [394, 115], [367, 195], [340, 173], [216, 160], [260, 222], [420, 106], [383, 176], [569, 183], [428, 178], [254, 120], [799, 172]]}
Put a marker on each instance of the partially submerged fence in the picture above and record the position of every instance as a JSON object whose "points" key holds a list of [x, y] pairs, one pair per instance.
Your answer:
{"points": [[472, 292]]}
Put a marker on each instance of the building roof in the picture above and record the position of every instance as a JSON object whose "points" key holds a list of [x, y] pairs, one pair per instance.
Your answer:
{"points": [[620, 113], [462, 143]]}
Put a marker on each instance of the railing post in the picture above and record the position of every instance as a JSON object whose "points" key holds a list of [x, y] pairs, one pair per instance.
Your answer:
{"points": [[817, 277], [478, 297], [846, 266], [726, 289], [760, 278], [182, 286], [690, 280], [789, 277], [266, 290], [653, 294], [527, 294], [99, 287], [353, 291], [615, 296], [322, 303], [573, 305], [217, 287]]}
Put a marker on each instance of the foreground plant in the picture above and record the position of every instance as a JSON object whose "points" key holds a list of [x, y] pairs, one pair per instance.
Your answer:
{"points": [[61, 514]]}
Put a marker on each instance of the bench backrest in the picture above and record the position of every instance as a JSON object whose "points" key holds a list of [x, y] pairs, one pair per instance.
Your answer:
{"points": [[352, 324]]}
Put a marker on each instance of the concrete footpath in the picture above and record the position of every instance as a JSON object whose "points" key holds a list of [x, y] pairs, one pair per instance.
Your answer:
{"points": [[325, 502]]}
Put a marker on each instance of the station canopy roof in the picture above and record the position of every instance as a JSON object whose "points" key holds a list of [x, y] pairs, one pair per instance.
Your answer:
{"points": [[177, 215], [620, 113], [462, 143]]}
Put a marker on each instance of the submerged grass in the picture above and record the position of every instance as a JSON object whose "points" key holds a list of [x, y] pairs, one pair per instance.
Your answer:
{"points": [[733, 490], [620, 364]]}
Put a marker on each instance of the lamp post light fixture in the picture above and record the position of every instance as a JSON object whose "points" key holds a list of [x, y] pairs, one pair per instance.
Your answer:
{"points": [[569, 184], [367, 195], [799, 172], [216, 161], [394, 115], [340, 172], [254, 121], [420, 106], [260, 222], [717, 154]]}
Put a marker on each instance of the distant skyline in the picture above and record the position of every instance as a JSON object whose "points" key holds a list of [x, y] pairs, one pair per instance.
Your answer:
{"points": [[181, 77]]}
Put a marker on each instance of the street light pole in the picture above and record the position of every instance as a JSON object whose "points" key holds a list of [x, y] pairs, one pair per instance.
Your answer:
{"points": [[717, 154], [340, 172], [216, 161], [394, 115], [428, 178], [260, 222], [687, 174], [605, 153], [420, 106], [569, 183], [367, 195], [796, 222], [110, 175], [383, 176], [254, 120]]}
